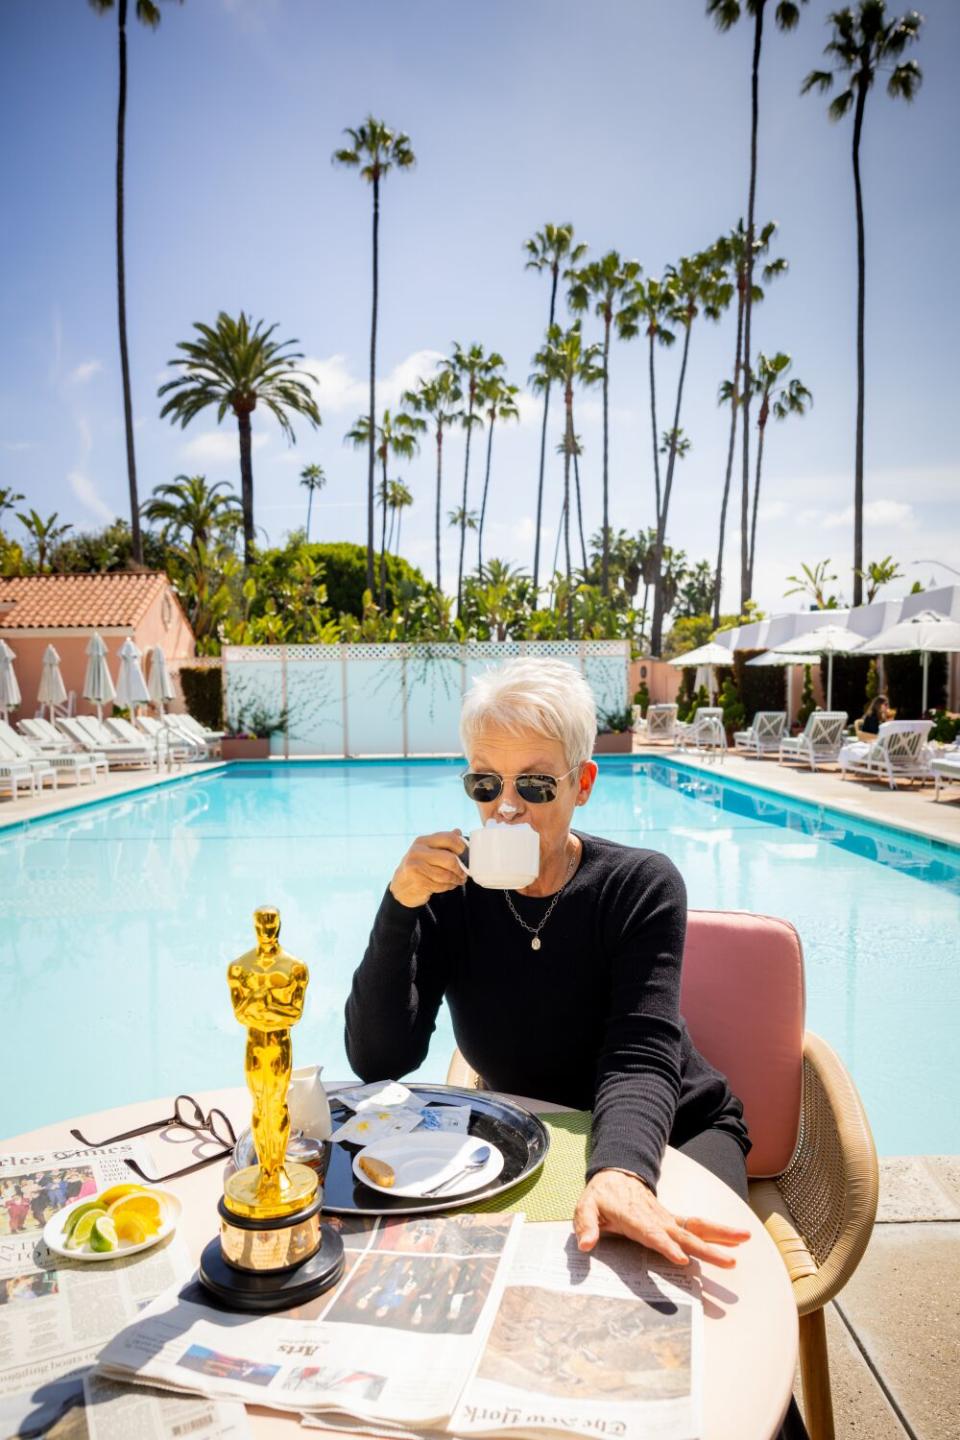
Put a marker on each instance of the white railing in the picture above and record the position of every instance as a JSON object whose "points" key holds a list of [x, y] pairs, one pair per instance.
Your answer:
{"points": [[389, 699]]}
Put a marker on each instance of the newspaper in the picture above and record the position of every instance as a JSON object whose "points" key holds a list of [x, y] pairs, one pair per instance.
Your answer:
{"points": [[396, 1341], [118, 1412], [56, 1314]]}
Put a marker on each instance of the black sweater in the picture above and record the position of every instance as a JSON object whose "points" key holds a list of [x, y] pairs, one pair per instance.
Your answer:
{"points": [[591, 1020]]}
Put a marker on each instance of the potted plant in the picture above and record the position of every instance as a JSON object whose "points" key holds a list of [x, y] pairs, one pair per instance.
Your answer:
{"points": [[248, 736], [615, 736]]}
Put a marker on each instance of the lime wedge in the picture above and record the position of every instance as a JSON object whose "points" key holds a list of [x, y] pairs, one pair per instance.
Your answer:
{"points": [[80, 1233], [80, 1211], [103, 1235]]}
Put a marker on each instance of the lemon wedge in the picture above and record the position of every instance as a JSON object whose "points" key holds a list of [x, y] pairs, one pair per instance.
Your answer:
{"points": [[117, 1192], [103, 1235], [131, 1230], [146, 1208]]}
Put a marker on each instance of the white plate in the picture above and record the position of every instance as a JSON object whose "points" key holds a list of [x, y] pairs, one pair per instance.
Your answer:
{"points": [[422, 1160], [53, 1231]]}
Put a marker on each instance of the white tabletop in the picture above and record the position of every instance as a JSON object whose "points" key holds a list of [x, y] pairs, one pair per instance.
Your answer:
{"points": [[750, 1317]]}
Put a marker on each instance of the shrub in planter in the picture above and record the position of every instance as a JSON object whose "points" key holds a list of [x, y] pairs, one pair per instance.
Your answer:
{"points": [[642, 698], [248, 737], [203, 694], [615, 734]]}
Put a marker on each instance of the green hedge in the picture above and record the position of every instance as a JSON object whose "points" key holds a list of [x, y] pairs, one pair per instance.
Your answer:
{"points": [[849, 683], [203, 694], [761, 687], [345, 576], [904, 683]]}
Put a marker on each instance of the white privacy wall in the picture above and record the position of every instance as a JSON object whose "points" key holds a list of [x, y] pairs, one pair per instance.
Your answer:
{"points": [[389, 699]]}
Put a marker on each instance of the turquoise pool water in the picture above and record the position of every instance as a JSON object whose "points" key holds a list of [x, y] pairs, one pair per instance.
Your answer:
{"points": [[118, 921]]}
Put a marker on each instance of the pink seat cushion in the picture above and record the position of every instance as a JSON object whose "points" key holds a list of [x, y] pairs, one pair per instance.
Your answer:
{"points": [[742, 996]]}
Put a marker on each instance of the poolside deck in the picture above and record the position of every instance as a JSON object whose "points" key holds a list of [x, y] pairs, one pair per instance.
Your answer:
{"points": [[115, 786]]}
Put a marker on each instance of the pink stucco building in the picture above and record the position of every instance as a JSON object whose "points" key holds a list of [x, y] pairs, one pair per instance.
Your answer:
{"points": [[65, 610]]}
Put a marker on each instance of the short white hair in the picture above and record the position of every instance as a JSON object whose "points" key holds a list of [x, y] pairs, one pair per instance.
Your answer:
{"points": [[546, 696]]}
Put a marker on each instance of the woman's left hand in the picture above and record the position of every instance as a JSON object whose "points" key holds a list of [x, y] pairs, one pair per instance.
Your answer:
{"points": [[616, 1203]]}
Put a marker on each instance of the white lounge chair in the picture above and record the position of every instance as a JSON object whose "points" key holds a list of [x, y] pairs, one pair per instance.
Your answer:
{"points": [[17, 775], [185, 725], [946, 769], [900, 752], [191, 725], [98, 741], [16, 753], [163, 745], [74, 766], [42, 733], [821, 741], [705, 733], [170, 741], [763, 736], [661, 722]]}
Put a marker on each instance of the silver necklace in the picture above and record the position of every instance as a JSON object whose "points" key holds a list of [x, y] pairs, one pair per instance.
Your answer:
{"points": [[534, 930]]}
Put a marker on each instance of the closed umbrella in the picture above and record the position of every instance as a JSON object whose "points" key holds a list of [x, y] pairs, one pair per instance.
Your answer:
{"points": [[98, 686], [928, 631], [51, 690], [9, 689], [777, 657], [159, 683], [131, 686], [710, 655], [829, 640]]}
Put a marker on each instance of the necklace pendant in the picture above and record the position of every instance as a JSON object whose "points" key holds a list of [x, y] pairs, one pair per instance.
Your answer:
{"points": [[535, 943]]}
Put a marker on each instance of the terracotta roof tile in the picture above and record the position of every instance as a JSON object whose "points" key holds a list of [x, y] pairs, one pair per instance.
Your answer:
{"points": [[77, 601]]}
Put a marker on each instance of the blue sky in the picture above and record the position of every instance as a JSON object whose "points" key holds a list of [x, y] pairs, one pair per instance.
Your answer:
{"points": [[628, 118]]}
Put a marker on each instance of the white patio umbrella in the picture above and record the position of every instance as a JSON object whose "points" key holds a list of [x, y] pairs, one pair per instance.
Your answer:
{"points": [[710, 655], [159, 683], [131, 686], [9, 689], [927, 631], [51, 690], [98, 686], [777, 657], [829, 640]]}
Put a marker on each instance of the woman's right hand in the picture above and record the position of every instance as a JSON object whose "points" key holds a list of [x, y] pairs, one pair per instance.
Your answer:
{"points": [[430, 867]]}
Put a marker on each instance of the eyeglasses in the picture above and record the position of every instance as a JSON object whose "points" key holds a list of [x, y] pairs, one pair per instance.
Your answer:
{"points": [[187, 1115], [485, 786]]}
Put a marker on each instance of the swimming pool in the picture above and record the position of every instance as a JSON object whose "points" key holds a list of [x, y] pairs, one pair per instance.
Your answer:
{"points": [[118, 921]]}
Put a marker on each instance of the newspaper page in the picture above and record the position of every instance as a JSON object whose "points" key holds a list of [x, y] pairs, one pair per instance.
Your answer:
{"points": [[56, 1314], [394, 1341], [118, 1412], [607, 1343]]}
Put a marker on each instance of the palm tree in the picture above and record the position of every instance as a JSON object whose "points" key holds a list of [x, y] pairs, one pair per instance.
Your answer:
{"points": [[649, 306], [234, 366], [439, 397], [9, 499], [565, 359], [463, 519], [45, 535], [312, 478], [148, 13], [499, 403], [726, 14], [549, 248], [190, 511], [791, 398], [879, 573], [862, 46], [813, 582], [700, 286], [396, 435], [604, 282], [399, 497], [471, 368], [577, 452], [374, 150]]}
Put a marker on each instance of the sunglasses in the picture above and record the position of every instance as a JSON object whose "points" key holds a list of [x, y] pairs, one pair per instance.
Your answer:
{"points": [[187, 1115], [485, 786]]}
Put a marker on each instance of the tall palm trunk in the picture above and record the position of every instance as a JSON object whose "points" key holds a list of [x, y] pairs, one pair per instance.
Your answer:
{"points": [[137, 542], [748, 306], [483, 503], [567, 451], [605, 554], [556, 548], [463, 508], [439, 474], [861, 297], [383, 534], [371, 454], [731, 447], [653, 424], [761, 431], [555, 272], [309, 508], [656, 628], [576, 481], [246, 484]]}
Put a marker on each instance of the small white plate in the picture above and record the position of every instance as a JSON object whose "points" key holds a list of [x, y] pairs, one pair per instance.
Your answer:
{"points": [[53, 1231], [422, 1160]]}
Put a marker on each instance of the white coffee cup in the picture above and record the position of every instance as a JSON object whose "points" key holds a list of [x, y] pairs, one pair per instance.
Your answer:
{"points": [[504, 857]]}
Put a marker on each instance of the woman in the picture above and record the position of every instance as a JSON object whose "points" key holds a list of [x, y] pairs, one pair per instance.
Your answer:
{"points": [[589, 1017], [874, 716]]}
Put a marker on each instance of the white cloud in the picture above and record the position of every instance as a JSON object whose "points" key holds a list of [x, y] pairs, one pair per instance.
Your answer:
{"points": [[773, 509], [875, 512], [218, 447], [86, 492], [15, 446], [83, 372], [339, 392]]}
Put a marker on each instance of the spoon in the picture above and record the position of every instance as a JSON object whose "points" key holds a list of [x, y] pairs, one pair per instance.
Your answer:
{"points": [[476, 1161]]}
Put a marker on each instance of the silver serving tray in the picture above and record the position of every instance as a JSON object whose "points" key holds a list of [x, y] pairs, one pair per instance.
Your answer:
{"points": [[522, 1137]]}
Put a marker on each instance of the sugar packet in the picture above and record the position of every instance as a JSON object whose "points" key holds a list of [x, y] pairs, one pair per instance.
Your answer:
{"points": [[450, 1118], [378, 1095], [372, 1125]]}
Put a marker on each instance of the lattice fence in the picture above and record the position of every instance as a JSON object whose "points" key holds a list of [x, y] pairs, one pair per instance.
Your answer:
{"points": [[389, 699]]}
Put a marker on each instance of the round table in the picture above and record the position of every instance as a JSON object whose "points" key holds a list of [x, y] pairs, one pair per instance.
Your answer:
{"points": [[750, 1317]]}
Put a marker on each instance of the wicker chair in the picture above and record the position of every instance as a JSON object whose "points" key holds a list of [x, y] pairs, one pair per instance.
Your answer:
{"points": [[813, 1172]]}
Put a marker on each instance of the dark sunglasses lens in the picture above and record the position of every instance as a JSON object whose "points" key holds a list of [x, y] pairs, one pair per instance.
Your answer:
{"points": [[221, 1128], [536, 789], [482, 788], [188, 1112]]}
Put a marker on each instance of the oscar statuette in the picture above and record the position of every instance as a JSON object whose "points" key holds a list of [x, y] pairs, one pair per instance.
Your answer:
{"points": [[273, 1252]]}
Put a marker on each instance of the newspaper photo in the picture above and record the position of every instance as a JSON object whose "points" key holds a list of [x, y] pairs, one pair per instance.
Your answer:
{"points": [[396, 1340], [56, 1314], [606, 1343]]}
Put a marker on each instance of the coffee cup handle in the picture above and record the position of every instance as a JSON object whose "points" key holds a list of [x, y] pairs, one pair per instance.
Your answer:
{"points": [[464, 858]]}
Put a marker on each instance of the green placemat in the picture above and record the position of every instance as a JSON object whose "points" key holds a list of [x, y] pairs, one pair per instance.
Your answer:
{"points": [[552, 1193]]}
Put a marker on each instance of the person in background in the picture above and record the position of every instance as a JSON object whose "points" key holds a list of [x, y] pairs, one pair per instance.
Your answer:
{"points": [[874, 716]]}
